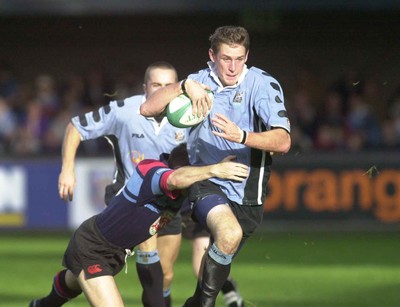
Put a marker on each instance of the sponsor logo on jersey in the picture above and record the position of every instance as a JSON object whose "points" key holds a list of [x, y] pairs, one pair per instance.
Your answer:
{"points": [[138, 135], [93, 269]]}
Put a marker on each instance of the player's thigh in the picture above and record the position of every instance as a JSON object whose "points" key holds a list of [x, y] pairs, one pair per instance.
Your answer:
{"points": [[148, 245], [100, 291], [222, 221], [168, 249]]}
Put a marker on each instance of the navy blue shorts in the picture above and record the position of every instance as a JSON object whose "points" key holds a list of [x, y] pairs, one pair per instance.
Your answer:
{"points": [[174, 227], [90, 252], [205, 195]]}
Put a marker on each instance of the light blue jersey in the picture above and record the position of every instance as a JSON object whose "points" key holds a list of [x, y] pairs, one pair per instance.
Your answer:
{"points": [[133, 136], [255, 104]]}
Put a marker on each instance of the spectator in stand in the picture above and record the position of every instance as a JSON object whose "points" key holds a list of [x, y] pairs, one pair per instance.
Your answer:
{"points": [[345, 85], [331, 132], [303, 117], [30, 133], [38, 107], [362, 124], [391, 126], [98, 87], [46, 95], [129, 83], [8, 125], [8, 83], [390, 135]]}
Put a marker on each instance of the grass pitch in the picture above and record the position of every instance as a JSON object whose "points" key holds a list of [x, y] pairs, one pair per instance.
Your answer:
{"points": [[282, 270]]}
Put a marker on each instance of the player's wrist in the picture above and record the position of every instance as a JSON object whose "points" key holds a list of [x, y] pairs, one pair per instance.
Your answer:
{"points": [[183, 86], [243, 139]]}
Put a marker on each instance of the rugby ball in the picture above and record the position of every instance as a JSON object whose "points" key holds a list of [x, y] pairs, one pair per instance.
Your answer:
{"points": [[179, 112]]}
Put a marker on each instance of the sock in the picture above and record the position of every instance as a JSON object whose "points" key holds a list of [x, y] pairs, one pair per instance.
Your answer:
{"points": [[60, 293], [216, 270], [167, 297], [150, 274], [217, 267], [228, 286]]}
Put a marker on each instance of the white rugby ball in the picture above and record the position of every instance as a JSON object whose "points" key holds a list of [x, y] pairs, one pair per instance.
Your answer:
{"points": [[179, 112]]}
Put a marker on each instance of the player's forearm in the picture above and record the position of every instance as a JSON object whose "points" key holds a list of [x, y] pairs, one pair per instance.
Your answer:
{"points": [[276, 140], [157, 102], [185, 176], [70, 145]]}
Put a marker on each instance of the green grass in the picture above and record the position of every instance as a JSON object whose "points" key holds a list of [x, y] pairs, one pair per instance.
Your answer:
{"points": [[283, 270]]}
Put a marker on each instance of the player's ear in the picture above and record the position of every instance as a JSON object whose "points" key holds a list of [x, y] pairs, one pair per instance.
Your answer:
{"points": [[247, 56], [144, 89], [212, 55]]}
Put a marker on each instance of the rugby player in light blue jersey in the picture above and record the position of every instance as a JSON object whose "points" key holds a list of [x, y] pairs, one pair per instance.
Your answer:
{"points": [[133, 138], [249, 120]]}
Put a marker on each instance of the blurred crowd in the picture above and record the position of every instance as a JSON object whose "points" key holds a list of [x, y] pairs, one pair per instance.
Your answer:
{"points": [[354, 113]]}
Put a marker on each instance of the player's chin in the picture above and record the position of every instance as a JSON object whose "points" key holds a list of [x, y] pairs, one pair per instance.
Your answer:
{"points": [[230, 80]]}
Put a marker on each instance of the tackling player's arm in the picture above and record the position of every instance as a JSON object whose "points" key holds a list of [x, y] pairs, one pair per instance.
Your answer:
{"points": [[66, 180], [158, 101], [185, 176]]}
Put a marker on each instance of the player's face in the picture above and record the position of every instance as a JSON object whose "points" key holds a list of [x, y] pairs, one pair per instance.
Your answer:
{"points": [[159, 78], [229, 61]]}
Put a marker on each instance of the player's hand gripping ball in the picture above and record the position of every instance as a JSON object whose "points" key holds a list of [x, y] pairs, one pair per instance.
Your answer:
{"points": [[179, 112]]}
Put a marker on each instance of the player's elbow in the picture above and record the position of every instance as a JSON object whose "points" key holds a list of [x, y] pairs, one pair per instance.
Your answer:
{"points": [[146, 111], [174, 183], [285, 143]]}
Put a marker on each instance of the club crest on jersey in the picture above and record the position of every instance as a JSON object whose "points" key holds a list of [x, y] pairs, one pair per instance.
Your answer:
{"points": [[238, 97], [180, 136], [163, 220]]}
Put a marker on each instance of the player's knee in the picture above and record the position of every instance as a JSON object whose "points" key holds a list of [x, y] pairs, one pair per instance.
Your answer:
{"points": [[228, 242]]}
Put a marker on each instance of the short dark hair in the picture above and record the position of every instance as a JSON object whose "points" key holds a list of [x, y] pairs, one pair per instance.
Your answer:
{"points": [[230, 35], [159, 64], [178, 157]]}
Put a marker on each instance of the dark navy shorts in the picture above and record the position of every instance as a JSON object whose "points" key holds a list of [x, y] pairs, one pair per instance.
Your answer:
{"points": [[190, 228], [205, 195], [90, 252], [174, 227]]}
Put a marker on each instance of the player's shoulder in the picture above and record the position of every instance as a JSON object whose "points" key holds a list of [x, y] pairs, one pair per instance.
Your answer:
{"points": [[127, 107], [261, 74], [264, 78], [129, 102], [200, 75]]}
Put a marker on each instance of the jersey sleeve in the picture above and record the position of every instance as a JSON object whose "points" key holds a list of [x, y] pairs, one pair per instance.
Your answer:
{"points": [[158, 173], [164, 186], [104, 121], [270, 103]]}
